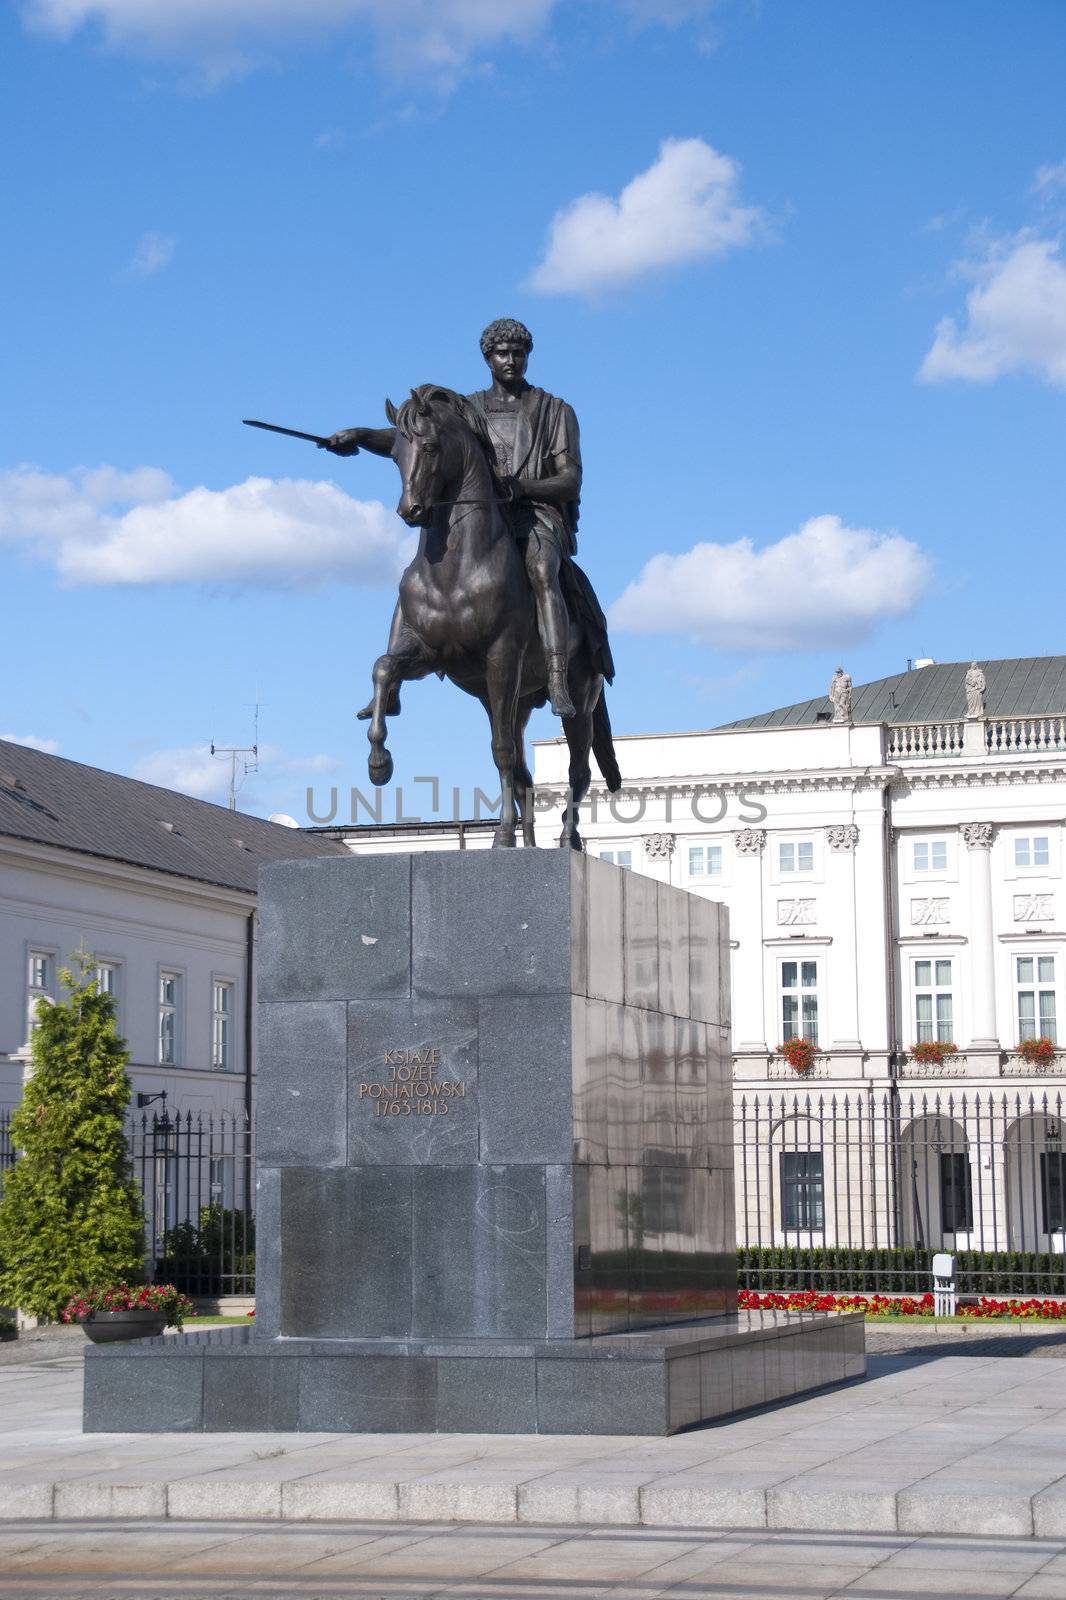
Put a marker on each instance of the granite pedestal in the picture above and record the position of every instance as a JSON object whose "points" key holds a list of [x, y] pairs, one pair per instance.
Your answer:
{"points": [[494, 1162]]}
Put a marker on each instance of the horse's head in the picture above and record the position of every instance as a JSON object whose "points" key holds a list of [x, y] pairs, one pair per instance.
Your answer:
{"points": [[429, 451]]}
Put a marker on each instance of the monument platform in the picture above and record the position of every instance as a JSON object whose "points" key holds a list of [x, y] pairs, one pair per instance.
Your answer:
{"points": [[494, 1166], [657, 1382]]}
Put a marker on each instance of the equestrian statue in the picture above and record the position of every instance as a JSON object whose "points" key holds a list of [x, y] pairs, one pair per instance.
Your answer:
{"points": [[493, 598]]}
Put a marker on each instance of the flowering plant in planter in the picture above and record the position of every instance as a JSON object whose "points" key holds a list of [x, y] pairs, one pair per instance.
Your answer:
{"points": [[1038, 1051], [799, 1053], [161, 1298], [933, 1051]]}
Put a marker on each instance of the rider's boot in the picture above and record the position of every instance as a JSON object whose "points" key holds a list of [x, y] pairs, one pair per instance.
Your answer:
{"points": [[558, 691]]}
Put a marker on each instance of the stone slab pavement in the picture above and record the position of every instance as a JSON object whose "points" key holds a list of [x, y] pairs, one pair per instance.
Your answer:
{"points": [[932, 1442], [430, 1561]]}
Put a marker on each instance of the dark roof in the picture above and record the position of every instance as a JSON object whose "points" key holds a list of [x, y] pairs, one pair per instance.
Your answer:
{"points": [[1032, 686], [53, 801]]}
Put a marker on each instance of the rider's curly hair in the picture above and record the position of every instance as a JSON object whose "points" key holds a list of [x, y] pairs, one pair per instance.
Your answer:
{"points": [[505, 331]]}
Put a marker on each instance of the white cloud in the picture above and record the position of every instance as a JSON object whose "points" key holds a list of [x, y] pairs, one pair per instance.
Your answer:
{"points": [[191, 770], [682, 208], [32, 742], [108, 527], [224, 38], [1048, 178], [825, 585], [1015, 318], [154, 252], [227, 37]]}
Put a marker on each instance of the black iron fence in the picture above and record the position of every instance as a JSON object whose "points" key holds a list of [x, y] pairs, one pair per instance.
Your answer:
{"points": [[197, 1180], [858, 1191], [851, 1192]]}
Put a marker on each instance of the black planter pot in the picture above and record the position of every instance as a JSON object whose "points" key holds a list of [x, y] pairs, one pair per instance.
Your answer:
{"points": [[103, 1327]]}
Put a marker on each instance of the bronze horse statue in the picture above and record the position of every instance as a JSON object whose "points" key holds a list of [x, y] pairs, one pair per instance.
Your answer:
{"points": [[466, 612]]}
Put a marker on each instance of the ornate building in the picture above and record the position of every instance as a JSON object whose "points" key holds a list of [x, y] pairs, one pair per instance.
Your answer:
{"points": [[891, 855]]}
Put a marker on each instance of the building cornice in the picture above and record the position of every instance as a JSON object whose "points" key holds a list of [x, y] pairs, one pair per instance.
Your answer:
{"points": [[848, 780], [94, 870], [984, 777]]}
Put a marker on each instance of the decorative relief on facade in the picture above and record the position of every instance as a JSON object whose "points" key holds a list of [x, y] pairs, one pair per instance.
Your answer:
{"points": [[842, 836], [978, 835], [750, 841], [795, 913], [930, 911], [659, 846], [1034, 908]]}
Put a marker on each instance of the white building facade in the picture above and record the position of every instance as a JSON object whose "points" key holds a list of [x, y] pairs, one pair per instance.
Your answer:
{"points": [[160, 889], [893, 869]]}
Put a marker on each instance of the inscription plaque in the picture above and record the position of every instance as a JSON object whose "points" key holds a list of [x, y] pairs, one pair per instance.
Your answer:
{"points": [[412, 1086]]}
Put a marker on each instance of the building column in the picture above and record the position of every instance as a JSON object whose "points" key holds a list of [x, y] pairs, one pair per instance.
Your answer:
{"points": [[843, 961], [746, 925], [978, 837]]}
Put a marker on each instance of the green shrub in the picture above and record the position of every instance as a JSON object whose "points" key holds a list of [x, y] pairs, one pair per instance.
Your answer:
{"points": [[905, 1270], [70, 1214]]}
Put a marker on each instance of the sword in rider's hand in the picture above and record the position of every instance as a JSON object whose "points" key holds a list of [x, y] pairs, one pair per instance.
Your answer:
{"points": [[293, 433]]}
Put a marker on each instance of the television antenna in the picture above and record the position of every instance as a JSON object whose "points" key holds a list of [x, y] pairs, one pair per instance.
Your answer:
{"points": [[245, 757]]}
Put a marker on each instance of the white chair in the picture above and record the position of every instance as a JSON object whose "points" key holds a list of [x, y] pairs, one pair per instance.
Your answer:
{"points": [[943, 1285]]}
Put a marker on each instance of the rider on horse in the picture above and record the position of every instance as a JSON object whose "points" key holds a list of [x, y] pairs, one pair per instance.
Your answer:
{"points": [[538, 459]]}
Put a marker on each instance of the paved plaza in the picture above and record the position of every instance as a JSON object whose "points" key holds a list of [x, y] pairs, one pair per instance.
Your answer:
{"points": [[933, 1442]]}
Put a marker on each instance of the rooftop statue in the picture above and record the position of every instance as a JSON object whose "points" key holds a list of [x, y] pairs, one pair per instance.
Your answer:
{"points": [[840, 695], [975, 691], [493, 598]]}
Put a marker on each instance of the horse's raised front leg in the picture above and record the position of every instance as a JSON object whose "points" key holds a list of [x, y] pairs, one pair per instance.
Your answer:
{"points": [[409, 659], [392, 706], [503, 670]]}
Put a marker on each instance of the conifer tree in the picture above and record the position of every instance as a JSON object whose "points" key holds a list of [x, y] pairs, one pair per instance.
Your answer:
{"points": [[70, 1215]]}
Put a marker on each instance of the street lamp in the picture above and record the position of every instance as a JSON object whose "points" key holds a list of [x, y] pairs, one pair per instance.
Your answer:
{"points": [[164, 1132]]}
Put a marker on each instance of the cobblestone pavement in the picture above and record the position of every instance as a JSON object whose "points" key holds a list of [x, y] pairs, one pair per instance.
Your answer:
{"points": [[365, 1561]]}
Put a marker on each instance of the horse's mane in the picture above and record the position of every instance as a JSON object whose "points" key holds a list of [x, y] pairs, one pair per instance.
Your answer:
{"points": [[429, 400]]}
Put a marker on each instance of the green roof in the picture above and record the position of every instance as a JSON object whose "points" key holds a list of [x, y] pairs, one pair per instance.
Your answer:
{"points": [[1030, 686]]}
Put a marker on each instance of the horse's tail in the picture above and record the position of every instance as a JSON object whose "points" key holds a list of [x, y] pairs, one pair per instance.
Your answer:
{"points": [[603, 746]]}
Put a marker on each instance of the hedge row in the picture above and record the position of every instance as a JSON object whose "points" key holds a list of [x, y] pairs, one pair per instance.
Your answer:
{"points": [[906, 1271]]}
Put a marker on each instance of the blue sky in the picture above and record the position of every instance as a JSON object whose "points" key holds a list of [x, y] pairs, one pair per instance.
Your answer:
{"points": [[818, 350]]}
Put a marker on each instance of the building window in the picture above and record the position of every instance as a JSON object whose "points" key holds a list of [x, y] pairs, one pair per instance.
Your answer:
{"points": [[1032, 850], [1053, 1190], [40, 985], [169, 995], [1035, 988], [107, 978], [620, 858], [802, 1191], [221, 1026], [933, 1001], [704, 860], [930, 855], [799, 1000], [795, 857], [956, 1193]]}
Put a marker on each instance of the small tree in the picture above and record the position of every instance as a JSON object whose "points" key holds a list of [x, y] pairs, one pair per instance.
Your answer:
{"points": [[70, 1216]]}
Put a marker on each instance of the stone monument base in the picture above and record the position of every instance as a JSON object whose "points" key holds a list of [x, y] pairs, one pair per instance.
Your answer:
{"points": [[654, 1382]]}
